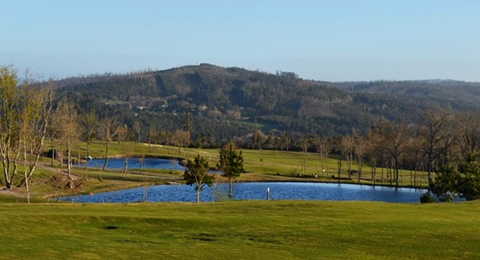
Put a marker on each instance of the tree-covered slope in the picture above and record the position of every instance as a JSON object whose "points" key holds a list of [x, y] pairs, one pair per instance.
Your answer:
{"points": [[226, 102]]}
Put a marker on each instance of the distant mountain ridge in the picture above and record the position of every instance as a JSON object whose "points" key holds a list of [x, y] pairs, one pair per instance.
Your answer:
{"points": [[233, 101]]}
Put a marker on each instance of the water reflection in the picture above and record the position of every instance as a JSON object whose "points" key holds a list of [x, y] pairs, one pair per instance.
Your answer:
{"points": [[257, 191], [137, 163]]}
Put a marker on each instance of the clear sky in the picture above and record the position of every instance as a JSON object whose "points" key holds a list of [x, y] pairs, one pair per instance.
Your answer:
{"points": [[334, 40]]}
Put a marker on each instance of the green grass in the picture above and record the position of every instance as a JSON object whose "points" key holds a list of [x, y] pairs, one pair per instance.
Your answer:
{"points": [[240, 230]]}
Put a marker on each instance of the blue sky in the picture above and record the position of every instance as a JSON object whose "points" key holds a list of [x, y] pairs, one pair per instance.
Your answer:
{"points": [[336, 40]]}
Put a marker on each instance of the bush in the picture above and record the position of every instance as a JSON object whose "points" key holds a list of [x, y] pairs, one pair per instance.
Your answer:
{"points": [[427, 198]]}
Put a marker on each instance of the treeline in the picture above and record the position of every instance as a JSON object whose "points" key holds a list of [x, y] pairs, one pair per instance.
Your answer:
{"points": [[445, 145]]}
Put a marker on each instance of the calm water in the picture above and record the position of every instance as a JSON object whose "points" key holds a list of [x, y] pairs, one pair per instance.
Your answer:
{"points": [[257, 191], [136, 163]]}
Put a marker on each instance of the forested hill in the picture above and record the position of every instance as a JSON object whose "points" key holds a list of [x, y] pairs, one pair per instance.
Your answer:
{"points": [[227, 102], [450, 94]]}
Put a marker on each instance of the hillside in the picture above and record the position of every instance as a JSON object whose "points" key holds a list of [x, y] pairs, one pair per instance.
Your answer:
{"points": [[228, 102], [449, 94]]}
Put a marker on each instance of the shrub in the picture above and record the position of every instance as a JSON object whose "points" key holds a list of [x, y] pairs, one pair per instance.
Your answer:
{"points": [[427, 198]]}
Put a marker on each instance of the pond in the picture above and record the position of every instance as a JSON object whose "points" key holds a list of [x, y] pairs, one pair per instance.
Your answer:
{"points": [[258, 191], [137, 163]]}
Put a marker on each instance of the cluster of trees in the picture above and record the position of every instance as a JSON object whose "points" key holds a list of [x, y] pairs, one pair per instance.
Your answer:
{"points": [[230, 166], [25, 117], [462, 180], [442, 137]]}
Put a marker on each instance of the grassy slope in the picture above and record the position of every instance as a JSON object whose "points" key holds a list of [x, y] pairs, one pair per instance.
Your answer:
{"points": [[241, 230], [265, 164]]}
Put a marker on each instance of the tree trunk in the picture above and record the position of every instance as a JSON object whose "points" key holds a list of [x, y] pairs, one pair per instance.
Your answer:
{"points": [[27, 186], [429, 169], [69, 161], [88, 155], [106, 157], [383, 172], [360, 165], [198, 193], [339, 163], [53, 154], [323, 162], [396, 172], [126, 165], [60, 156], [230, 193]]}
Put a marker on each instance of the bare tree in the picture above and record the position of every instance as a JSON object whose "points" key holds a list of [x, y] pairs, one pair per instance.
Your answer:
{"points": [[122, 136], [89, 126], [323, 146], [394, 139], [35, 117], [361, 149], [304, 142], [24, 113], [285, 141], [433, 127], [181, 138], [347, 144], [136, 129], [374, 152], [67, 117], [416, 155], [469, 132], [108, 130]]}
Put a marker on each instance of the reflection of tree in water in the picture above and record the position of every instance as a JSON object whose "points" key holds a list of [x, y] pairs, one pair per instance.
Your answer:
{"points": [[219, 194]]}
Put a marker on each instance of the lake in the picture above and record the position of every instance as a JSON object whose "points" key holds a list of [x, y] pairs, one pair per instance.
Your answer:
{"points": [[257, 191], [137, 163]]}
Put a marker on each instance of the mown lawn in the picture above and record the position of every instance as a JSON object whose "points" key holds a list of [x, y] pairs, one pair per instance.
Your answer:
{"points": [[240, 230], [264, 164]]}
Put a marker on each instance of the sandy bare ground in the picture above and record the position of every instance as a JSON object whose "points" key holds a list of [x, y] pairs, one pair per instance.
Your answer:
{"points": [[15, 192], [12, 192]]}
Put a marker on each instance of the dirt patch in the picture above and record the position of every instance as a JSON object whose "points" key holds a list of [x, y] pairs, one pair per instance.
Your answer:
{"points": [[12, 192]]}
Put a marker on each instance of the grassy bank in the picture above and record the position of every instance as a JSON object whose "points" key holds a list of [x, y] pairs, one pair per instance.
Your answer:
{"points": [[241, 230], [294, 165]]}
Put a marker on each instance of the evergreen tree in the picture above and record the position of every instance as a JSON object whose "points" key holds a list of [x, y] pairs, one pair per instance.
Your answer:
{"points": [[231, 164], [196, 174], [468, 184], [444, 186]]}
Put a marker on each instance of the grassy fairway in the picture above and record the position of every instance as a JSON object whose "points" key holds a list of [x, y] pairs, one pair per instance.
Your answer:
{"points": [[264, 165], [241, 230]]}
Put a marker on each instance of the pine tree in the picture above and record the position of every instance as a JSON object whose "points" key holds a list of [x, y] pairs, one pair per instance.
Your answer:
{"points": [[231, 164], [196, 174]]}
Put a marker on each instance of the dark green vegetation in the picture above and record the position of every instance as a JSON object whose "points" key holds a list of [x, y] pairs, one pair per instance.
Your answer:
{"points": [[196, 174], [241, 230], [231, 164], [463, 181], [228, 102]]}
